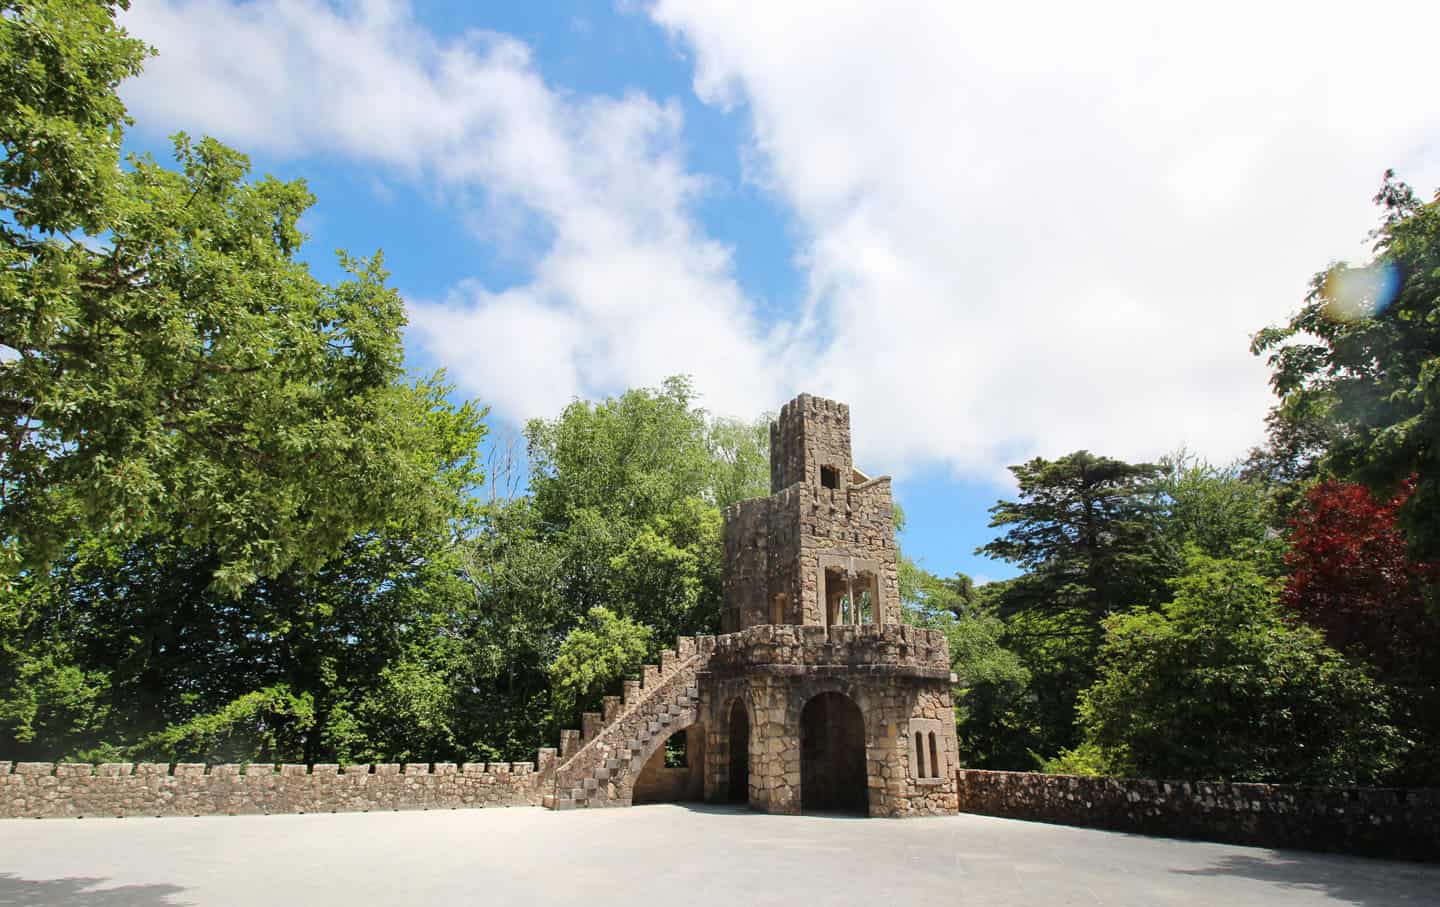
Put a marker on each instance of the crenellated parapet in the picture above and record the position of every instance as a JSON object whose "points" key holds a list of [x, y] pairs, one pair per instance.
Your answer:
{"points": [[46, 790], [894, 650]]}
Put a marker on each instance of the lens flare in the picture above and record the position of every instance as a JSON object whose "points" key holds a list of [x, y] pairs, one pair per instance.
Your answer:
{"points": [[1354, 294]]}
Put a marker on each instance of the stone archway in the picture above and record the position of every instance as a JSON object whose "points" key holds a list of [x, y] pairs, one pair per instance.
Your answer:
{"points": [[674, 771], [739, 720], [832, 755]]}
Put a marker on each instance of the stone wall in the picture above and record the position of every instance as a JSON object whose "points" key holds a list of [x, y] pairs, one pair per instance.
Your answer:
{"points": [[778, 549], [1379, 822], [46, 790], [898, 677], [897, 649]]}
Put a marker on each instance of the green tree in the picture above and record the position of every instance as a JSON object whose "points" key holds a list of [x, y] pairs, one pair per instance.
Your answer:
{"points": [[627, 489], [132, 645], [1087, 531], [1084, 529], [1216, 511], [594, 658], [1364, 351], [171, 365], [992, 683], [623, 514], [1219, 685]]}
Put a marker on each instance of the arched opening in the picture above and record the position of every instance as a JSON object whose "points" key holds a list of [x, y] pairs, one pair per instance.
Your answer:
{"points": [[673, 773], [739, 753], [832, 755]]}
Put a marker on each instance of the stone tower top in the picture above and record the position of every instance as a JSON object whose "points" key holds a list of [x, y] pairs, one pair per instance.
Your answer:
{"points": [[810, 444]]}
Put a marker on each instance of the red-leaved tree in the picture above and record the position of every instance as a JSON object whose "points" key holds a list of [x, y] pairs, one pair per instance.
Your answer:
{"points": [[1352, 578]]}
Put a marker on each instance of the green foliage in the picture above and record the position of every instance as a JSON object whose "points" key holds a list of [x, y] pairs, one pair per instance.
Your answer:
{"points": [[992, 698], [1364, 350], [175, 369], [922, 592], [1217, 512], [670, 570], [594, 658], [993, 683], [1218, 685], [740, 459], [61, 118], [264, 726], [1087, 531], [1087, 760]]}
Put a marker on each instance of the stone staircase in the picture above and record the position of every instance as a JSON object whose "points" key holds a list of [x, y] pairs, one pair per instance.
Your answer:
{"points": [[599, 763]]}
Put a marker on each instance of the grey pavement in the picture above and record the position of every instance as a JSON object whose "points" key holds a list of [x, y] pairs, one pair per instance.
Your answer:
{"points": [[650, 855]]}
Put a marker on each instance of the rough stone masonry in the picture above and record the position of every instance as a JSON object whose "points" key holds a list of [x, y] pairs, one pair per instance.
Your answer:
{"points": [[814, 698]]}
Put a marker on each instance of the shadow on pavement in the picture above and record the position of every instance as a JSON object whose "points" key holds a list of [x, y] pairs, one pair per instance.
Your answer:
{"points": [[1350, 880], [81, 892]]}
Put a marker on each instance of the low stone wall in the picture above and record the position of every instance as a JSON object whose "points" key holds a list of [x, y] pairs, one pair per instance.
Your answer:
{"points": [[1397, 823], [46, 790]]}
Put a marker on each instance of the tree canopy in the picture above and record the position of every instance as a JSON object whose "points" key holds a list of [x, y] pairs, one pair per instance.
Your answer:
{"points": [[1365, 350]]}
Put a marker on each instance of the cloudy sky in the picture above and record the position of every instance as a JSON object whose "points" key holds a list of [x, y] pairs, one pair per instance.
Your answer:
{"points": [[996, 230]]}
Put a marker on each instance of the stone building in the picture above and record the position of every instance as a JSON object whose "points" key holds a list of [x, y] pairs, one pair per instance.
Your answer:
{"points": [[815, 696]]}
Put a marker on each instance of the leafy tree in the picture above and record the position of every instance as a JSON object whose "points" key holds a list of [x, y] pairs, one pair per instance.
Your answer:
{"points": [[267, 725], [1219, 685], [1215, 511], [1365, 350], [126, 645], [61, 119], [740, 458], [991, 700], [923, 591], [1086, 530], [1354, 579], [594, 658], [173, 367], [627, 491]]}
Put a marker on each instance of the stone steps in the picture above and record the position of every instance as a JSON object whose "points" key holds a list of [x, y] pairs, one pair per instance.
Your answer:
{"points": [[599, 761]]}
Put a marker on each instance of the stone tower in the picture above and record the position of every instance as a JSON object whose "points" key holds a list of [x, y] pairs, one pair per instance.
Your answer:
{"points": [[820, 550], [814, 697]]}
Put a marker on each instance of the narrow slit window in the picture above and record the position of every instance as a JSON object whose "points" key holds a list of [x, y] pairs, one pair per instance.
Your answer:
{"points": [[934, 758], [920, 755]]}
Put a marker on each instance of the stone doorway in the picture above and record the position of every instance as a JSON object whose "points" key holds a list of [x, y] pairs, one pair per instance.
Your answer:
{"points": [[739, 753], [832, 755]]}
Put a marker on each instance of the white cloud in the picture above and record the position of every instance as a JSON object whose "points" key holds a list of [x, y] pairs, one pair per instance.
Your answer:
{"points": [[627, 290], [1032, 229], [1024, 230]]}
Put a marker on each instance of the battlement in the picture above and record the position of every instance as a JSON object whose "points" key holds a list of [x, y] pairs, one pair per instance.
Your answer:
{"points": [[810, 444], [47, 789], [894, 649]]}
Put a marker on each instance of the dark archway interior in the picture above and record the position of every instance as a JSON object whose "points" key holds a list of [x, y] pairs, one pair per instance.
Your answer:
{"points": [[739, 753], [832, 755]]}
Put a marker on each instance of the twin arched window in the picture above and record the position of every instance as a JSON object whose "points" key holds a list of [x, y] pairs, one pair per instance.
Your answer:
{"points": [[927, 762]]}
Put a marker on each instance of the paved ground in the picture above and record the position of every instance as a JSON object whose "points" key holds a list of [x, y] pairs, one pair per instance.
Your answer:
{"points": [[658, 855]]}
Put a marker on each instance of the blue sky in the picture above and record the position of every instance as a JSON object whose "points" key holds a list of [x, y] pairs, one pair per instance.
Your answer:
{"points": [[995, 234]]}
